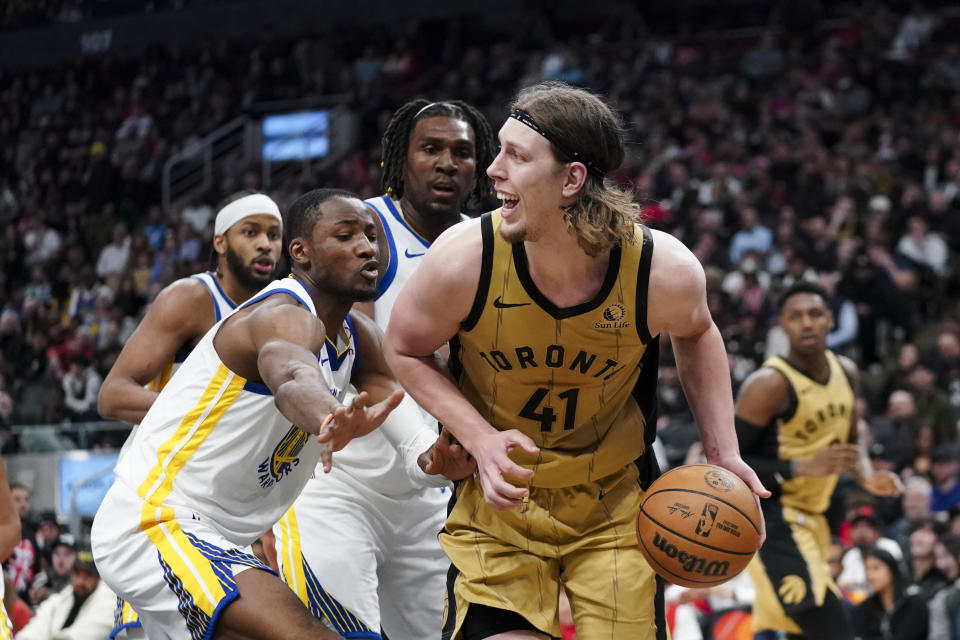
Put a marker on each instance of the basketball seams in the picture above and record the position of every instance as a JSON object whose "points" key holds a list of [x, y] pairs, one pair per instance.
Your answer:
{"points": [[707, 495]]}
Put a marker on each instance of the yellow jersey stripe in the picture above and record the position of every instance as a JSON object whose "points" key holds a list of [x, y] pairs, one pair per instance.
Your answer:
{"points": [[196, 425], [188, 564], [6, 628], [291, 559]]}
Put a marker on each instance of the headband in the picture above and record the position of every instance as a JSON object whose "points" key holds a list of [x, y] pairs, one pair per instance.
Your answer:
{"points": [[524, 117], [251, 205]]}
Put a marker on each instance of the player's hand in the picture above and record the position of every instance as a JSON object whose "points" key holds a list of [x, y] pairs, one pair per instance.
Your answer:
{"points": [[493, 462], [749, 476], [353, 421], [883, 483], [837, 458], [447, 457]]}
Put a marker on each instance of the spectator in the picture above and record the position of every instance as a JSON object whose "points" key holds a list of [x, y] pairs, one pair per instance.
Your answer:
{"points": [[924, 247], [933, 404], [893, 612], [865, 533], [751, 236], [945, 606], [946, 483], [22, 562], [81, 384], [915, 502], [947, 366], [82, 610], [63, 555], [927, 576], [114, 256], [897, 429]]}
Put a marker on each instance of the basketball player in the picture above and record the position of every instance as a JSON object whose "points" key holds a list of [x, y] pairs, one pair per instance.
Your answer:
{"points": [[247, 242], [797, 426], [552, 305], [373, 521], [226, 447], [9, 538]]}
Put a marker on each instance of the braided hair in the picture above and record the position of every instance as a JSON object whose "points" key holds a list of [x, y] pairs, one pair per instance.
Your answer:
{"points": [[396, 141]]}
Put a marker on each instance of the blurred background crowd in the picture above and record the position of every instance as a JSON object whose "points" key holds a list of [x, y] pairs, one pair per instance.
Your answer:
{"points": [[779, 141]]}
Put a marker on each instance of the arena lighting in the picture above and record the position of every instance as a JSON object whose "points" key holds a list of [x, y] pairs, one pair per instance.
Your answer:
{"points": [[296, 136]]}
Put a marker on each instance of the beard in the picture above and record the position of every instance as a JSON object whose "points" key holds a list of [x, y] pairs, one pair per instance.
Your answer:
{"points": [[244, 273]]}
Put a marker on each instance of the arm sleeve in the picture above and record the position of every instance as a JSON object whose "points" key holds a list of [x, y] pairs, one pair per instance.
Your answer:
{"points": [[410, 435], [756, 452]]}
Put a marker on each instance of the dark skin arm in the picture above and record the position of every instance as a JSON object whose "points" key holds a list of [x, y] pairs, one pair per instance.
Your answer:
{"points": [[763, 397], [9, 520], [276, 342], [179, 317]]}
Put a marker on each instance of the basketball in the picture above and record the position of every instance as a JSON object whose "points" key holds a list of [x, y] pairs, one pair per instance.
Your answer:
{"points": [[698, 525]]}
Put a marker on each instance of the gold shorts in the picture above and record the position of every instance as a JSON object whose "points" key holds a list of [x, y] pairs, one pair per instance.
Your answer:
{"points": [[790, 573], [584, 535]]}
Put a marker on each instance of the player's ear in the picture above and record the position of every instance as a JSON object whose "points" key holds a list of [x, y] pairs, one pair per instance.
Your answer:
{"points": [[576, 177], [220, 243], [299, 251]]}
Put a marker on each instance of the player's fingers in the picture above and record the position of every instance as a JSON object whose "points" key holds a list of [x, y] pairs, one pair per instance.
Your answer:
{"points": [[326, 457], [763, 522], [511, 468], [522, 440]]}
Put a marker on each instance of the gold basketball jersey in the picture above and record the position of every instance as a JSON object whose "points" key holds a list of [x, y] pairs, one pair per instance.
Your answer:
{"points": [[580, 381], [819, 416]]}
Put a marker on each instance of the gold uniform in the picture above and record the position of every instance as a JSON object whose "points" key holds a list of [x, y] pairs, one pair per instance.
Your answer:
{"points": [[579, 381], [790, 572]]}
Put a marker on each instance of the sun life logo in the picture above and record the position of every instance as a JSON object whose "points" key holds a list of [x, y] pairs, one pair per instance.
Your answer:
{"points": [[613, 315]]}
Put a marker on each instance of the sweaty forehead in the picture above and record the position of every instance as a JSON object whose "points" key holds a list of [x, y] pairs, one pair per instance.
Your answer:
{"points": [[443, 128]]}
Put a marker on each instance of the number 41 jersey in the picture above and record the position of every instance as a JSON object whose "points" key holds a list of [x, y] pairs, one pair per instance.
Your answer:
{"points": [[580, 381]]}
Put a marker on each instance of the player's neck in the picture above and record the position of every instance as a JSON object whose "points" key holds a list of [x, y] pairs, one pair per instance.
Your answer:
{"points": [[231, 287], [814, 365], [563, 272], [332, 310], [428, 226]]}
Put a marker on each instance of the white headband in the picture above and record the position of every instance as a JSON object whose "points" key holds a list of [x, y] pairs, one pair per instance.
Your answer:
{"points": [[251, 205]]}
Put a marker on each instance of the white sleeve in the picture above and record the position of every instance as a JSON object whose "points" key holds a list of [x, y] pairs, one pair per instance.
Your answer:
{"points": [[410, 434]]}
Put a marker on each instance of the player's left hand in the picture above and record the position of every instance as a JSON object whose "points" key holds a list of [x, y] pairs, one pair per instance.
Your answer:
{"points": [[357, 419], [883, 483], [447, 457], [748, 475]]}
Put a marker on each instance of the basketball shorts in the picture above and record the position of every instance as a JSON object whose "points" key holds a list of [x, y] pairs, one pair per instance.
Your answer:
{"points": [[126, 622], [790, 572], [6, 628], [584, 535], [173, 568], [377, 558]]}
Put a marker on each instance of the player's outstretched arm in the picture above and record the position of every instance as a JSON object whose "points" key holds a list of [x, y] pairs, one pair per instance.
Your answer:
{"points": [[428, 312], [677, 303], [181, 313]]}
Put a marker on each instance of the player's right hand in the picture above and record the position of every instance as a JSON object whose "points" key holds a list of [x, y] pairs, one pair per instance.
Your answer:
{"points": [[353, 421], [493, 462], [837, 458]]}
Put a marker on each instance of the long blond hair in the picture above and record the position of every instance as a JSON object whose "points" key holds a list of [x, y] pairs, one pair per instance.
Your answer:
{"points": [[603, 215]]}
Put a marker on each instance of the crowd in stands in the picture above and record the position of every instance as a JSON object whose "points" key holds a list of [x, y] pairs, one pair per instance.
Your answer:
{"points": [[822, 150]]}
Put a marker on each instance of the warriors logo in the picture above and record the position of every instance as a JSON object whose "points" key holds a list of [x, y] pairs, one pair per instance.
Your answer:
{"points": [[284, 458]]}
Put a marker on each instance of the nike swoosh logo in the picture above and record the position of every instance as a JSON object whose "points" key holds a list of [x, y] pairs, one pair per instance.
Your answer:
{"points": [[407, 253], [500, 304]]}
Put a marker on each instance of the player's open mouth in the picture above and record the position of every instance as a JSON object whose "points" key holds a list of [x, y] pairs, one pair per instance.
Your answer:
{"points": [[443, 189], [370, 270], [509, 200], [263, 265]]}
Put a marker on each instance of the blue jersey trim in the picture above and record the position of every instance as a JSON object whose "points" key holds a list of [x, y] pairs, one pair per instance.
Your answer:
{"points": [[258, 388], [216, 307], [266, 294], [396, 214], [230, 302], [353, 341]]}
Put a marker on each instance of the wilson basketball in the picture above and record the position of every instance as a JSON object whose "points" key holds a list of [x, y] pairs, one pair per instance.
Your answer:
{"points": [[698, 525]]}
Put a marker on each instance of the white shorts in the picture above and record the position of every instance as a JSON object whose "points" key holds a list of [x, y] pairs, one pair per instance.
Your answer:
{"points": [[377, 556], [177, 572]]}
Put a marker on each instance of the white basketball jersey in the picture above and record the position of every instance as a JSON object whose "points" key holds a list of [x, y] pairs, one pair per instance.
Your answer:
{"points": [[222, 306], [372, 459], [215, 445]]}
